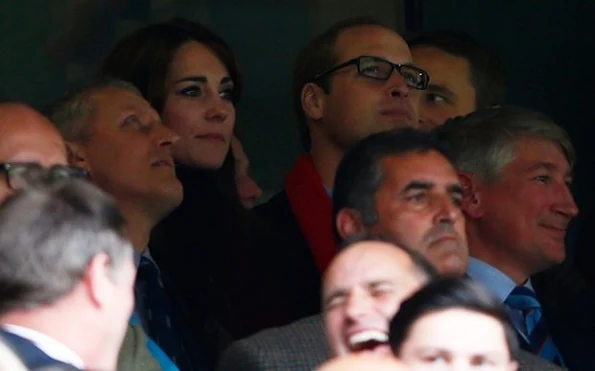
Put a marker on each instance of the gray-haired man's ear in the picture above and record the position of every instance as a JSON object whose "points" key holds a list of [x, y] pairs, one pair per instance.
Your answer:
{"points": [[471, 203]]}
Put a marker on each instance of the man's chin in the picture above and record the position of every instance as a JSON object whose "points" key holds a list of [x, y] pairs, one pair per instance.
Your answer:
{"points": [[452, 265]]}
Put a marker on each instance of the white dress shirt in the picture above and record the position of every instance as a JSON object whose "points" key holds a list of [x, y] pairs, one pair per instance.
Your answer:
{"points": [[53, 348]]}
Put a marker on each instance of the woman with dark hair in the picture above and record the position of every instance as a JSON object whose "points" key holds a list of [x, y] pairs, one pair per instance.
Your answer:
{"points": [[454, 324], [208, 246]]}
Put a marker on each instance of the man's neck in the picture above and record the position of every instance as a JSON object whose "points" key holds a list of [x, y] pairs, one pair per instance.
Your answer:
{"points": [[138, 227], [496, 257], [326, 160]]}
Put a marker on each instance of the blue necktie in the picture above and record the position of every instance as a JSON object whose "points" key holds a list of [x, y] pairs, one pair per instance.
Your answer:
{"points": [[535, 329], [158, 315]]}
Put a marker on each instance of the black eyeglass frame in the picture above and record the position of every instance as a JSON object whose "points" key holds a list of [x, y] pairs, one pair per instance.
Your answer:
{"points": [[8, 167], [358, 62]]}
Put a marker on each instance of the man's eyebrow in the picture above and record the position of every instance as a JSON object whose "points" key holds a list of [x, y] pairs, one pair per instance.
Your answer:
{"points": [[417, 185], [440, 89], [542, 165]]}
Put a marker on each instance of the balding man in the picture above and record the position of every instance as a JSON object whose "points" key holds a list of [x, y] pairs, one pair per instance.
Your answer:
{"points": [[27, 139], [362, 290], [357, 271]]}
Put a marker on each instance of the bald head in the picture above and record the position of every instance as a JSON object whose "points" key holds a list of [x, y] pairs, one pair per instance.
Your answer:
{"points": [[27, 136], [363, 363], [362, 290]]}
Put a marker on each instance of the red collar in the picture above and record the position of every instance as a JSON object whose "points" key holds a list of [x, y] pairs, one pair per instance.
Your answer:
{"points": [[312, 207]]}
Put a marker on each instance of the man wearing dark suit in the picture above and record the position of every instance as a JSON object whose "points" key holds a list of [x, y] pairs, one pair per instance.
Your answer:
{"points": [[385, 179], [66, 273], [29, 140], [515, 166], [115, 134], [347, 83]]}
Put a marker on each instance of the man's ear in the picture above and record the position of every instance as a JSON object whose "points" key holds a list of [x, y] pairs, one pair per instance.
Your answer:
{"points": [[348, 223], [471, 203], [97, 279], [76, 155], [313, 98]]}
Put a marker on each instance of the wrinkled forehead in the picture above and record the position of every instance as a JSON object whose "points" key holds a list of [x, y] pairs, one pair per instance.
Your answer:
{"points": [[367, 262], [424, 166], [110, 103]]}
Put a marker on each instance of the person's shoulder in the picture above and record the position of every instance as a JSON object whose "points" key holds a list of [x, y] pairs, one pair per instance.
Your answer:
{"points": [[530, 362], [134, 353], [277, 203], [300, 345]]}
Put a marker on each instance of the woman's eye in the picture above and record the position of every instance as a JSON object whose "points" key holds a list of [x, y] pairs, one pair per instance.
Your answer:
{"points": [[191, 91], [227, 94]]}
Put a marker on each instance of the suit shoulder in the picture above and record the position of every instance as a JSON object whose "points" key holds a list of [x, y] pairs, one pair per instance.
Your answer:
{"points": [[300, 345], [134, 354], [278, 204], [530, 362]]}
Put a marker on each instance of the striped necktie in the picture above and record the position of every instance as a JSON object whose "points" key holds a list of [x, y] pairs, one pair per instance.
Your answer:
{"points": [[535, 329], [162, 325]]}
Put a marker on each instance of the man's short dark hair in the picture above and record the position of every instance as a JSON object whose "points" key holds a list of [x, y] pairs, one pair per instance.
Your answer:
{"points": [[317, 57], [48, 235], [421, 264], [487, 70], [450, 293], [361, 173]]}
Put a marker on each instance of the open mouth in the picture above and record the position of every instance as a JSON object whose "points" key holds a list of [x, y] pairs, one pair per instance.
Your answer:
{"points": [[161, 163], [367, 340]]}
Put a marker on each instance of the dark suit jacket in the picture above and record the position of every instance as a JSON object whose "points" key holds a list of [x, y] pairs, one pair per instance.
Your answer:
{"points": [[296, 267], [563, 299], [569, 307], [31, 355], [301, 346]]}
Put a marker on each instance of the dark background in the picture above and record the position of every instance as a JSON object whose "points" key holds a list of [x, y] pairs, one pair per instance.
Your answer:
{"points": [[547, 45]]}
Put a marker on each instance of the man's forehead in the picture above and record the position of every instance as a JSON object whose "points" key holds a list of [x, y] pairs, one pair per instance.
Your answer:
{"points": [[369, 260], [533, 153], [118, 98], [372, 40], [426, 164]]}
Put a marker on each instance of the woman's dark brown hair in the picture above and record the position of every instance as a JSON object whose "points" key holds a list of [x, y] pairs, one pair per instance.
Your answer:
{"points": [[144, 57]]}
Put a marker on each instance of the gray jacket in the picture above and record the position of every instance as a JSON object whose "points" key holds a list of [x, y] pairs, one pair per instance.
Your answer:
{"points": [[301, 346]]}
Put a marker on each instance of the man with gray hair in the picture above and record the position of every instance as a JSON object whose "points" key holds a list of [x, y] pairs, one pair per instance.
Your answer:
{"points": [[66, 274], [515, 167], [115, 134]]}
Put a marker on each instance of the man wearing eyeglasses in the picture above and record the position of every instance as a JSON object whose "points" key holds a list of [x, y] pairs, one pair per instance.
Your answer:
{"points": [[353, 80], [31, 148], [28, 141]]}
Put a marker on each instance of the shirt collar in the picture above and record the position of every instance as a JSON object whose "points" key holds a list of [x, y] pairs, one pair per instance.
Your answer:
{"points": [[147, 254], [492, 278], [46, 344]]}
